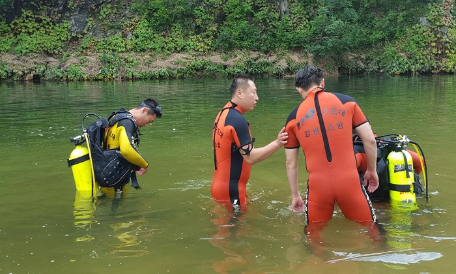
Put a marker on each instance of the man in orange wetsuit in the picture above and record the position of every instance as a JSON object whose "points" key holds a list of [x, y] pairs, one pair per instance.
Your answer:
{"points": [[234, 152], [322, 126]]}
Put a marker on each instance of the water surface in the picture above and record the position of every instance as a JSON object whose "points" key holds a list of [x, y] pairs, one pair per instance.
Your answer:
{"points": [[172, 225]]}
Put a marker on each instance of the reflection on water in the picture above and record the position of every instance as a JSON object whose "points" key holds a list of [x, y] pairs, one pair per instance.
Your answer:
{"points": [[46, 225], [130, 236], [84, 209], [409, 256], [231, 228]]}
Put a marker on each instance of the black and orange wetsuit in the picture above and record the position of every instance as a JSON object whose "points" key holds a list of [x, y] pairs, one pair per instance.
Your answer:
{"points": [[123, 136], [231, 131], [322, 125]]}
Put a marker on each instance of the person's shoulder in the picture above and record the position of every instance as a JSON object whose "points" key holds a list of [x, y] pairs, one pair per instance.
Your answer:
{"points": [[235, 113], [127, 122], [293, 114], [294, 111], [343, 98], [234, 117]]}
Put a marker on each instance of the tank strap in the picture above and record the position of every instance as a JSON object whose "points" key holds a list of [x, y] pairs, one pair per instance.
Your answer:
{"points": [[78, 160], [400, 188], [406, 165], [134, 181], [119, 115]]}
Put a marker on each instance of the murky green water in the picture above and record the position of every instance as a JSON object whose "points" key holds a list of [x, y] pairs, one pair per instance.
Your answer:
{"points": [[172, 225]]}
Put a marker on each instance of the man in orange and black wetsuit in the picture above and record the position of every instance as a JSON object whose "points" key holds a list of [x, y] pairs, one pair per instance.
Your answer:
{"points": [[234, 152], [322, 126], [124, 135]]}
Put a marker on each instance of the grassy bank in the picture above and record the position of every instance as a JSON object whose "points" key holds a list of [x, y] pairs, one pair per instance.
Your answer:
{"points": [[138, 66]]}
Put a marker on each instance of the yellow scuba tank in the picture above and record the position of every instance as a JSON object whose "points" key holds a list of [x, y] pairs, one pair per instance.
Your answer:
{"points": [[81, 167], [401, 178]]}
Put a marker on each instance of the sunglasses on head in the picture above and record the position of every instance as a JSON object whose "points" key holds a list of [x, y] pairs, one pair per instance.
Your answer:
{"points": [[157, 109]]}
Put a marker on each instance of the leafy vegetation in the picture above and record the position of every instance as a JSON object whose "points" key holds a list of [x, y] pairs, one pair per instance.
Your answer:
{"points": [[35, 33], [358, 36]]}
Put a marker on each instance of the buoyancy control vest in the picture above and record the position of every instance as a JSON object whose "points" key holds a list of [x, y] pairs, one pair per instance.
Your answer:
{"points": [[111, 169]]}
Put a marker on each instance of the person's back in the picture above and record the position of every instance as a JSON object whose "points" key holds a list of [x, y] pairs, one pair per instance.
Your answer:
{"points": [[327, 140], [322, 126]]}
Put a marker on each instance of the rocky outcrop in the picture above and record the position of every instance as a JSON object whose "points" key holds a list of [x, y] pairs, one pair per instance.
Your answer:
{"points": [[77, 12]]}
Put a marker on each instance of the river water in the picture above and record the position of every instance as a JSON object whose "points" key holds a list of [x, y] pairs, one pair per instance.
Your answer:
{"points": [[172, 225]]}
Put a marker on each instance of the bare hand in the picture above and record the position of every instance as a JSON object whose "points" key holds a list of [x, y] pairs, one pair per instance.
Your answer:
{"points": [[371, 181], [141, 171], [297, 205], [282, 137]]}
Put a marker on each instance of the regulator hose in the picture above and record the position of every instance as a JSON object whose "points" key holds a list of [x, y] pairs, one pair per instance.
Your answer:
{"points": [[85, 116], [420, 152]]}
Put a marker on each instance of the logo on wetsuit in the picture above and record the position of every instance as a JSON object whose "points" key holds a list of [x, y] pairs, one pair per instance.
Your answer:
{"points": [[316, 131]]}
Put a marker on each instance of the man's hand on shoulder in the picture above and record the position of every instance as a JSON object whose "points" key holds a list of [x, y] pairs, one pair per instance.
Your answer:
{"points": [[282, 137]]}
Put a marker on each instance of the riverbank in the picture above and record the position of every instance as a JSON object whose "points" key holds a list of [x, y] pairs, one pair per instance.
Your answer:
{"points": [[135, 66]]}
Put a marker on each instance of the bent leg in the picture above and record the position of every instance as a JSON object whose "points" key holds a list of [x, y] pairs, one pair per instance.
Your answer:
{"points": [[319, 205], [356, 206]]}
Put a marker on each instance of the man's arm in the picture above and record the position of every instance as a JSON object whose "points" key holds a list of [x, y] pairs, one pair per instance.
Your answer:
{"points": [[259, 154], [291, 155], [129, 150], [370, 149]]}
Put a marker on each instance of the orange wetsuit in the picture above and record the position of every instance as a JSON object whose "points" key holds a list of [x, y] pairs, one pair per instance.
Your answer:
{"points": [[322, 125], [231, 131]]}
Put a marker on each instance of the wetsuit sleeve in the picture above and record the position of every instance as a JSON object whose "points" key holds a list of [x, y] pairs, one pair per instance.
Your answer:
{"points": [[240, 131], [125, 130], [358, 116], [290, 127]]}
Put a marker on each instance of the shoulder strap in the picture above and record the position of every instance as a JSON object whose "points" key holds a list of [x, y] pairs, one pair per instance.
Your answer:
{"points": [[119, 115], [115, 117]]}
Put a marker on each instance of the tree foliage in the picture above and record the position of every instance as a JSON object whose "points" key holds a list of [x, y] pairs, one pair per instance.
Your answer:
{"points": [[408, 36]]}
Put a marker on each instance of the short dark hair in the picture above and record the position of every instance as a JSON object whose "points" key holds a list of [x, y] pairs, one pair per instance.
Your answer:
{"points": [[240, 81], [152, 105], [308, 76]]}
